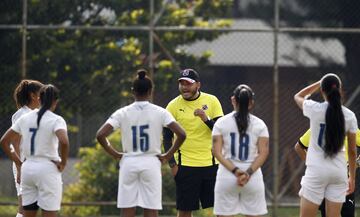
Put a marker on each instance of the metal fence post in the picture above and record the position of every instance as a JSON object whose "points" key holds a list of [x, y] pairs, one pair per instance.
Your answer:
{"points": [[24, 44], [276, 111]]}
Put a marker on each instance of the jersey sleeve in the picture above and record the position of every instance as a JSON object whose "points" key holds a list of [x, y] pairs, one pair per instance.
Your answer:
{"points": [[216, 131], [115, 119], [60, 124], [305, 138], [264, 132], [14, 118], [353, 127], [168, 118], [218, 112], [16, 126], [307, 107]]}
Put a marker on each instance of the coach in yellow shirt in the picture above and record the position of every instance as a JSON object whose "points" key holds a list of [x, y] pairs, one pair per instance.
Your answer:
{"points": [[348, 208], [194, 166]]}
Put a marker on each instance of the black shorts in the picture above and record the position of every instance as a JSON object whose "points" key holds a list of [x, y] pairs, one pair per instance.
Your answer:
{"points": [[194, 185], [348, 207]]}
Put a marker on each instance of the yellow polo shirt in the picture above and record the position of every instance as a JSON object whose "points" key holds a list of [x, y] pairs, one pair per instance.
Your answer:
{"points": [[305, 140], [196, 149]]}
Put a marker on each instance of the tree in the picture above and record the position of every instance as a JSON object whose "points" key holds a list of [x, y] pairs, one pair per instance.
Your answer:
{"points": [[94, 69]]}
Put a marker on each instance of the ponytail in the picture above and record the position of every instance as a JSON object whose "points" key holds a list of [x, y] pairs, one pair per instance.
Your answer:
{"points": [[23, 90], [142, 83], [243, 95], [334, 117], [48, 94]]}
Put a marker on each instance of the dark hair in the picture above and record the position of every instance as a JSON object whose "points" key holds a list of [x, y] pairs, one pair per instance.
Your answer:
{"points": [[24, 89], [142, 83], [334, 118], [243, 95], [48, 94]]}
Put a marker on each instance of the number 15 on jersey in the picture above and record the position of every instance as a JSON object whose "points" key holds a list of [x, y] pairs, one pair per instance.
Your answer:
{"points": [[140, 132]]}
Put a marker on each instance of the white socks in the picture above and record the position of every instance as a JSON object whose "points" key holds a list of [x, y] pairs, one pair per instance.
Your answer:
{"points": [[19, 215]]}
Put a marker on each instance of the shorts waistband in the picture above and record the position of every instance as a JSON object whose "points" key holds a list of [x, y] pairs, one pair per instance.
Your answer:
{"points": [[37, 158]]}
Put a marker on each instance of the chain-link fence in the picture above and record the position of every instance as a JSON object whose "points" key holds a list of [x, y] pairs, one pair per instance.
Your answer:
{"points": [[90, 50]]}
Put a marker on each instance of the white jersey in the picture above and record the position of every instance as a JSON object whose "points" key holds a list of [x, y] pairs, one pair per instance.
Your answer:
{"points": [[40, 141], [23, 110], [242, 149], [316, 111], [20, 112], [141, 124]]}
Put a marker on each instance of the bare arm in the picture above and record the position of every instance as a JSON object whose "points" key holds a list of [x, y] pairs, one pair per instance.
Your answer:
{"points": [[300, 151], [180, 138], [64, 148], [15, 145], [9, 137], [263, 152], [352, 160], [301, 95], [101, 136], [217, 152]]}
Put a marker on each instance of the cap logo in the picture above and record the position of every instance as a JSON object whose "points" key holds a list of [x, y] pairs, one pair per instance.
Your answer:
{"points": [[185, 72]]}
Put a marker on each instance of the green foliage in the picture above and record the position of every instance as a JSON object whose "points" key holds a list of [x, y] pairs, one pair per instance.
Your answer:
{"points": [[94, 69], [98, 178], [88, 65]]}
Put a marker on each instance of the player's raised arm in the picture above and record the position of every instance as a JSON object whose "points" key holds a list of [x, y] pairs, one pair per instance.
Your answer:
{"points": [[300, 96]]}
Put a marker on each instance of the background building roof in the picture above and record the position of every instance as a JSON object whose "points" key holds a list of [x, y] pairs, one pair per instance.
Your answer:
{"points": [[257, 48]]}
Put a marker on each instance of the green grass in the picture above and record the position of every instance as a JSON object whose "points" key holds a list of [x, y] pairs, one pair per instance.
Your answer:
{"points": [[10, 211], [282, 212]]}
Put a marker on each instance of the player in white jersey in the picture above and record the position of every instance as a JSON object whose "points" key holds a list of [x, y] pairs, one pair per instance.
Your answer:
{"points": [[240, 143], [326, 168], [141, 125], [26, 96], [42, 132]]}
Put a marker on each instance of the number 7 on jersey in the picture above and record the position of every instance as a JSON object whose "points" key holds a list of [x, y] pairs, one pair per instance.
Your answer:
{"points": [[32, 142]]}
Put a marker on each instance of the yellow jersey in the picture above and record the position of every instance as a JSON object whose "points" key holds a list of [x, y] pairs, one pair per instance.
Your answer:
{"points": [[196, 149], [305, 140]]}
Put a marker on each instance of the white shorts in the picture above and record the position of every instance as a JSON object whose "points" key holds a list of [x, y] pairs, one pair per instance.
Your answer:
{"points": [[140, 182], [319, 183], [17, 185], [231, 199], [41, 182]]}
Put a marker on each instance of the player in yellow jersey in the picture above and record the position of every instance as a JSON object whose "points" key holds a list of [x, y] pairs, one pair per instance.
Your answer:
{"points": [[348, 208], [195, 167]]}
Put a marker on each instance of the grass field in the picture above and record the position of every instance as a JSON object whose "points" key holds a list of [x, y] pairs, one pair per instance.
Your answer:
{"points": [[10, 211], [282, 212]]}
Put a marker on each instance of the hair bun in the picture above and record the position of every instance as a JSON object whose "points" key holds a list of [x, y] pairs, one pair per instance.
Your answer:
{"points": [[141, 73]]}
